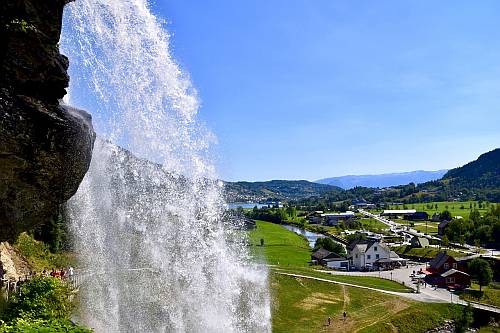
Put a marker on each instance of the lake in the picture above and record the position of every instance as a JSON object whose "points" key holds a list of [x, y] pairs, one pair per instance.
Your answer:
{"points": [[250, 205]]}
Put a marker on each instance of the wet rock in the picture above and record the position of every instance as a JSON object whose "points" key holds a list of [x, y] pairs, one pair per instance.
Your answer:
{"points": [[45, 148]]}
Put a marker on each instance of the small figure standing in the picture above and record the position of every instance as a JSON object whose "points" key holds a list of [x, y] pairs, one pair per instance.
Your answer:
{"points": [[329, 321], [345, 315]]}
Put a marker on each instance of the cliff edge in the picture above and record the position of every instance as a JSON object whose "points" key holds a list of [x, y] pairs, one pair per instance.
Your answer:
{"points": [[45, 148]]}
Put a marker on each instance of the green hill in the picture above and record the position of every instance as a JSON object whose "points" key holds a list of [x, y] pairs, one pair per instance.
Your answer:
{"points": [[481, 173], [276, 189]]}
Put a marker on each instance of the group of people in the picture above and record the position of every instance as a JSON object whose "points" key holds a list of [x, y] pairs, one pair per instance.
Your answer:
{"points": [[59, 274], [12, 286]]}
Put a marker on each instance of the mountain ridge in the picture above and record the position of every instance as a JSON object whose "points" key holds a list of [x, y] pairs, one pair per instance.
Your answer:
{"points": [[383, 180]]}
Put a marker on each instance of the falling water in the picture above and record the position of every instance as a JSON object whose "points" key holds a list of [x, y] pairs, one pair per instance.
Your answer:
{"points": [[151, 242]]}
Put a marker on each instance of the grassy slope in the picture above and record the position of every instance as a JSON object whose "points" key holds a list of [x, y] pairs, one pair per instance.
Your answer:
{"points": [[489, 295], [39, 255], [281, 247], [291, 253], [302, 305]]}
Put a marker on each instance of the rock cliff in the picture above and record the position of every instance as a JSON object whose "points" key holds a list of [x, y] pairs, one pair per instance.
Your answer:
{"points": [[45, 148]]}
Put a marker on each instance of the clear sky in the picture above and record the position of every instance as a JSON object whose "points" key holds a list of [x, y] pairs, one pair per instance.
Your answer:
{"points": [[307, 89]]}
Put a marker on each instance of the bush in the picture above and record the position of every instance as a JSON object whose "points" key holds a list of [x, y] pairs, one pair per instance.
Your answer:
{"points": [[43, 298], [42, 326], [39, 255]]}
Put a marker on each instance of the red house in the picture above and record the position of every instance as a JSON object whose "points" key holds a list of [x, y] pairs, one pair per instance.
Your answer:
{"points": [[447, 272], [455, 279], [444, 262]]}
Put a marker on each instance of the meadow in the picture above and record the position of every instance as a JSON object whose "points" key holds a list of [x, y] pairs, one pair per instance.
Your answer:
{"points": [[304, 305], [456, 208]]}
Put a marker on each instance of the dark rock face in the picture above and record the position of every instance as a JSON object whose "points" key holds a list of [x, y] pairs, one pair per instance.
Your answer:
{"points": [[45, 148]]}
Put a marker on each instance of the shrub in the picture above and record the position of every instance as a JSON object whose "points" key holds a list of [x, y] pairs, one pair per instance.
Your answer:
{"points": [[21, 325], [43, 298]]}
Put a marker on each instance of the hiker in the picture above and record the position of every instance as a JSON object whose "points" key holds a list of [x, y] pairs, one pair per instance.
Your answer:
{"points": [[345, 315], [329, 321]]}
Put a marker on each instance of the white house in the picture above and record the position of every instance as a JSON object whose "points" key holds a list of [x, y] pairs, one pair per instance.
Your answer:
{"points": [[373, 254]]}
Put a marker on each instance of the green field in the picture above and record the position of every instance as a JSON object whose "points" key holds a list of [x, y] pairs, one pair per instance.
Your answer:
{"points": [[281, 247], [454, 207], [430, 228], [428, 252], [373, 225], [289, 252], [489, 295], [304, 305]]}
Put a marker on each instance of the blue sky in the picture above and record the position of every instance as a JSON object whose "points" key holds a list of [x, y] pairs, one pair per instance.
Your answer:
{"points": [[307, 89]]}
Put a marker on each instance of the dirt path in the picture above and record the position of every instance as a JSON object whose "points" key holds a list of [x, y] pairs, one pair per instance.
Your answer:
{"points": [[347, 300]]}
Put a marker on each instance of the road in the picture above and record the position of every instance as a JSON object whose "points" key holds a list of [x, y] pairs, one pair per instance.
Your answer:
{"points": [[398, 228]]}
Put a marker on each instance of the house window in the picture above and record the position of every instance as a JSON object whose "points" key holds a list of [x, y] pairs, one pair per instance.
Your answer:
{"points": [[375, 248], [455, 265], [377, 256], [450, 280], [368, 257], [446, 266]]}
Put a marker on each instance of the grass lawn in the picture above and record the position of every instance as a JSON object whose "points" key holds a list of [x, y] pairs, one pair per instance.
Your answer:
{"points": [[304, 305], [489, 295], [373, 225], [454, 207], [430, 229], [364, 281], [428, 252], [281, 246]]}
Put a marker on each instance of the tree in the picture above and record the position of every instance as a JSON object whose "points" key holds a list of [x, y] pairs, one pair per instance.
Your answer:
{"points": [[474, 216], [354, 237], [481, 271], [465, 319], [445, 216], [328, 244], [445, 242]]}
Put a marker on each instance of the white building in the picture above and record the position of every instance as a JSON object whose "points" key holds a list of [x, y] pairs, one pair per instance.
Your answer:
{"points": [[374, 254]]}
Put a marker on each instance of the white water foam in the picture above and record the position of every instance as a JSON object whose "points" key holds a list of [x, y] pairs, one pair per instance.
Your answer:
{"points": [[159, 258]]}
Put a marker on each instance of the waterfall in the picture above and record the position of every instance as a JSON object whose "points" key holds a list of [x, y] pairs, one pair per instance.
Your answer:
{"points": [[146, 220]]}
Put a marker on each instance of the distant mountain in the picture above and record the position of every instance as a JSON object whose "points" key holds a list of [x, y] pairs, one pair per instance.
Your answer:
{"points": [[481, 173], [278, 189], [383, 180]]}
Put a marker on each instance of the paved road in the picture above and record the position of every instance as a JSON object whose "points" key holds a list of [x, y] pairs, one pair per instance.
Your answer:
{"points": [[428, 295], [397, 227]]}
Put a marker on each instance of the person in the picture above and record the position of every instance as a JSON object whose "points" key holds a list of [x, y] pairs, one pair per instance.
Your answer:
{"points": [[70, 271], [329, 321], [345, 315]]}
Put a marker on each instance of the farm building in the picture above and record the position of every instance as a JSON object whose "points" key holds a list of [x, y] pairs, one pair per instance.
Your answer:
{"points": [[417, 216], [333, 219], [446, 271]]}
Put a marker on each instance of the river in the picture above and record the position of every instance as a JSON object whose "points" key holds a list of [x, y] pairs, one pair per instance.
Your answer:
{"points": [[311, 236]]}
